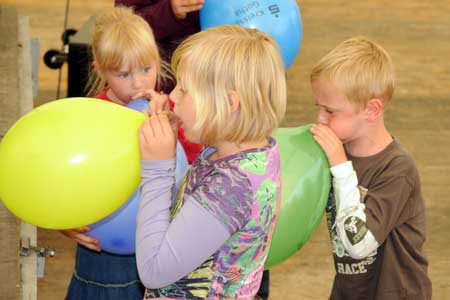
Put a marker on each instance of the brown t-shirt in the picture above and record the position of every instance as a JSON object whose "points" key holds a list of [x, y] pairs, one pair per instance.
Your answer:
{"points": [[395, 214]]}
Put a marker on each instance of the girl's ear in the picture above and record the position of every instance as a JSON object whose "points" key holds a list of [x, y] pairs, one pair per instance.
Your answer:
{"points": [[96, 67], [374, 109], [233, 99]]}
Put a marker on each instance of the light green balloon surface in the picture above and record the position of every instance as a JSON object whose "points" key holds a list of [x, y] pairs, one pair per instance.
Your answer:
{"points": [[70, 162], [305, 186]]}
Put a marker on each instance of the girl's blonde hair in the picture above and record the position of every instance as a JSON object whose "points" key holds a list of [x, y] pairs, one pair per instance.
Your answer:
{"points": [[360, 68], [122, 38], [219, 60]]}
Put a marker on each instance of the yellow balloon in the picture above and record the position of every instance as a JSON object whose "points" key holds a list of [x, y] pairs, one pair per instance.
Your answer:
{"points": [[70, 162]]}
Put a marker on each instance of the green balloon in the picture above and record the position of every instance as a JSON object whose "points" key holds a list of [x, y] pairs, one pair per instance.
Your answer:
{"points": [[70, 162], [305, 179]]}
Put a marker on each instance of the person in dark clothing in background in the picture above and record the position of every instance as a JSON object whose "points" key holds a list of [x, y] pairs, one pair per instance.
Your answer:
{"points": [[171, 20]]}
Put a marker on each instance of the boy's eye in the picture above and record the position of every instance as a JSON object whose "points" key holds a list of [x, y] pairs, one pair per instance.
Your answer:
{"points": [[325, 109]]}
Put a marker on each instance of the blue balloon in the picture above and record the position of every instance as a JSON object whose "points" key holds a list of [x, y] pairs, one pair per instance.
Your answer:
{"points": [[116, 233], [279, 18], [138, 104]]}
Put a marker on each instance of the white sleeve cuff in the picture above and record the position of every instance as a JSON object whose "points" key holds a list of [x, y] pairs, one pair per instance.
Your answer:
{"points": [[342, 170]]}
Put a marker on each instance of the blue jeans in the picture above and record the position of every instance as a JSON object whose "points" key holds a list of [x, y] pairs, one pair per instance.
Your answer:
{"points": [[104, 276]]}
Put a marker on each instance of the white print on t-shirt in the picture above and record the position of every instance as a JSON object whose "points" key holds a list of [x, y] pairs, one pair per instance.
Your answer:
{"points": [[337, 246], [355, 268]]}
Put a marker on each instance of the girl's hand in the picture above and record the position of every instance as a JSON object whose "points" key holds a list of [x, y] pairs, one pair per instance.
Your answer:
{"points": [[158, 102], [78, 236], [330, 143], [157, 137], [181, 8]]}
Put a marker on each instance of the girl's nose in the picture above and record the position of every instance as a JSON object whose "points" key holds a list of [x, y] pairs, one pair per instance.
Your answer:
{"points": [[136, 81]]}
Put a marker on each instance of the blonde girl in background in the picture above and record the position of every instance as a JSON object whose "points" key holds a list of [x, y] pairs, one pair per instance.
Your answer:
{"points": [[213, 241], [126, 62]]}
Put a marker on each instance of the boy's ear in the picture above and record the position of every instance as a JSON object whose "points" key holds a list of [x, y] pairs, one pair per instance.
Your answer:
{"points": [[374, 109], [234, 100]]}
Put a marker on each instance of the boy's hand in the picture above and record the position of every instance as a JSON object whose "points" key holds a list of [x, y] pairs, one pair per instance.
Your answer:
{"points": [[181, 8], [77, 234], [330, 143], [157, 137]]}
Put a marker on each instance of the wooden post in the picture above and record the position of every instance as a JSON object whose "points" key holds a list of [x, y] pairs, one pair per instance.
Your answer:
{"points": [[17, 275], [28, 264], [9, 111]]}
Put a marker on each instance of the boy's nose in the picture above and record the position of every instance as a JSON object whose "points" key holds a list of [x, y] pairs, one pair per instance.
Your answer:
{"points": [[322, 118]]}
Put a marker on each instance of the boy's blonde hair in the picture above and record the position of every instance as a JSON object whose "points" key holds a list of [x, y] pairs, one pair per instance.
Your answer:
{"points": [[121, 38], [230, 58], [360, 68]]}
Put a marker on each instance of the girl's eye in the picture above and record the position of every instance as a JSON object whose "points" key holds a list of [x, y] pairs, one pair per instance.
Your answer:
{"points": [[122, 74], [146, 69]]}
